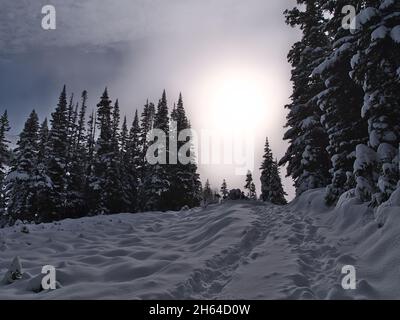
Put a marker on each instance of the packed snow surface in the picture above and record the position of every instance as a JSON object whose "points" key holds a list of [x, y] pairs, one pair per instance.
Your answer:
{"points": [[237, 250]]}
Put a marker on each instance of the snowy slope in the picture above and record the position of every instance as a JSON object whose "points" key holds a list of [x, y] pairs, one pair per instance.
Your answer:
{"points": [[238, 250]]}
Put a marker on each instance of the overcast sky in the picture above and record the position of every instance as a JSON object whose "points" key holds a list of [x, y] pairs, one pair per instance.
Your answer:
{"points": [[139, 47]]}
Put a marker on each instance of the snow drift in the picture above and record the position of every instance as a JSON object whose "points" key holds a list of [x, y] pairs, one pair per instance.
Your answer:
{"points": [[237, 250]]}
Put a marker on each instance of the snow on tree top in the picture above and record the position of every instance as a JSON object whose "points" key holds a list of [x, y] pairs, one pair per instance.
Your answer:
{"points": [[395, 34]]}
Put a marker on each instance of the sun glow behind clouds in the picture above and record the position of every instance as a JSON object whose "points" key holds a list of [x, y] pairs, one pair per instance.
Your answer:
{"points": [[237, 99], [238, 104]]}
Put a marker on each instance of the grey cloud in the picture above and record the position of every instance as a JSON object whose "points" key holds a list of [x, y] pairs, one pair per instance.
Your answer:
{"points": [[93, 23]]}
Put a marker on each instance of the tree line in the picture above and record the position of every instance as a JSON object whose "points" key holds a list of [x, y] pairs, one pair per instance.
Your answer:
{"points": [[72, 166], [76, 166], [343, 125]]}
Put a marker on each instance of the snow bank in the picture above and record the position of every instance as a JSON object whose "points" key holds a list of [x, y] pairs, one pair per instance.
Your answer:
{"points": [[366, 238]]}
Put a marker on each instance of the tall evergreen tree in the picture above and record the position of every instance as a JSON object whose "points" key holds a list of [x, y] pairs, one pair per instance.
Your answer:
{"points": [[253, 191], [147, 121], [340, 102], [133, 163], [249, 182], [156, 182], [43, 183], [266, 172], [146, 125], [376, 69], [106, 192], [59, 156], [80, 134], [44, 147], [276, 193], [116, 118], [184, 179], [90, 141], [208, 195], [271, 183], [224, 190], [124, 138], [21, 188], [4, 157], [306, 158], [77, 169]]}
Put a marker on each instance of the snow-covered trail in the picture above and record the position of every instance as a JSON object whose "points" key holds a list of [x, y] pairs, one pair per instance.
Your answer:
{"points": [[294, 260], [237, 250], [174, 255]]}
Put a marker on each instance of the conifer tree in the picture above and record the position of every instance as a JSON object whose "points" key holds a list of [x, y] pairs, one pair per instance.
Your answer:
{"points": [[266, 172], [106, 191], [4, 157], [77, 169], [44, 147], [43, 183], [207, 193], [224, 190], [21, 188], [59, 156], [276, 193], [133, 163], [249, 182], [124, 138], [116, 118], [147, 123], [90, 141], [156, 182], [80, 134], [253, 191], [340, 102], [184, 181], [306, 158], [376, 69]]}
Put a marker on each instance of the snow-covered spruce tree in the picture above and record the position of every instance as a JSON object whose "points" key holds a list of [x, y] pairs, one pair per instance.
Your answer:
{"points": [[72, 117], [4, 157], [44, 147], [146, 124], [276, 192], [106, 192], [58, 157], [249, 182], [133, 163], [271, 183], [124, 136], [253, 191], [156, 181], [21, 188], [340, 102], [76, 176], [266, 172], [224, 190], [185, 181], [306, 158], [207, 193], [90, 143], [122, 200], [376, 68], [115, 122], [43, 183]]}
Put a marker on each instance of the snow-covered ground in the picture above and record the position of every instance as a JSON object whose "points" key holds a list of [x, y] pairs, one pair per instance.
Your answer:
{"points": [[237, 250]]}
